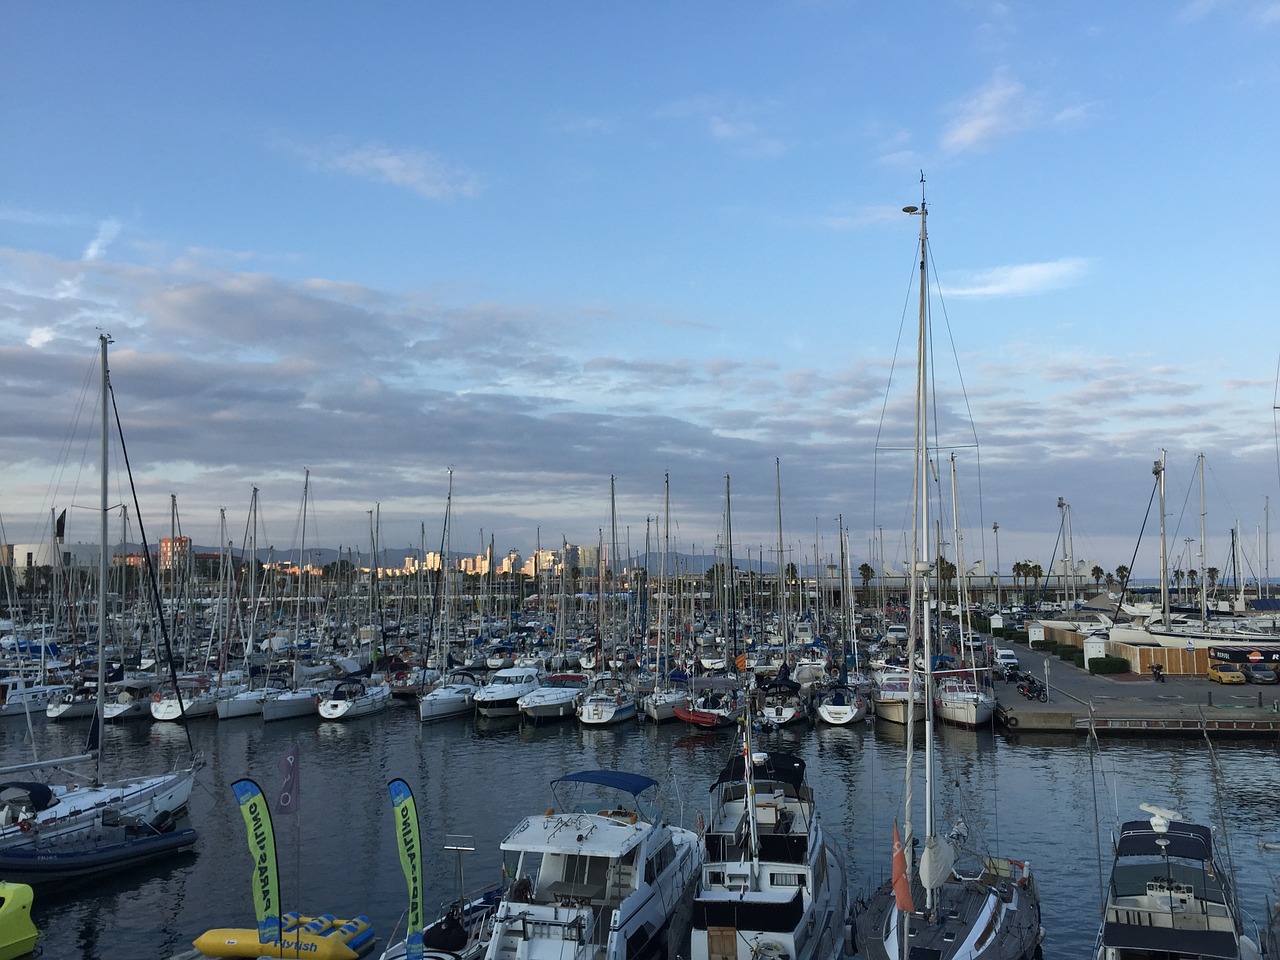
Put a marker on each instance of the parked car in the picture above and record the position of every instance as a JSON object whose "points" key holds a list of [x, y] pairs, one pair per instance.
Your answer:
{"points": [[1226, 672], [1006, 658], [1260, 673]]}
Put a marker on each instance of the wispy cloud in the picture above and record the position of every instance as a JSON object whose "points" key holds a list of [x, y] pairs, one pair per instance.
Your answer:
{"points": [[999, 108], [108, 230], [732, 124], [427, 174], [1021, 280]]}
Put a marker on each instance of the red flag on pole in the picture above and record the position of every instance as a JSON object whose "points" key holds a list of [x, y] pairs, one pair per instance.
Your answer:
{"points": [[901, 882]]}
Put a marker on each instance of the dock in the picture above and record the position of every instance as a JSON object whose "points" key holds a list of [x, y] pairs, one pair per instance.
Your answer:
{"points": [[1132, 704]]}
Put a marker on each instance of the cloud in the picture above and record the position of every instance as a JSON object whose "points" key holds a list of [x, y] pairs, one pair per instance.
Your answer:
{"points": [[108, 230], [427, 174], [1020, 280], [999, 108], [732, 124]]}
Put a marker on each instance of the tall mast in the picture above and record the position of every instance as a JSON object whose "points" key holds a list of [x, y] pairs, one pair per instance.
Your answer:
{"points": [[103, 340], [1158, 469], [1204, 596]]}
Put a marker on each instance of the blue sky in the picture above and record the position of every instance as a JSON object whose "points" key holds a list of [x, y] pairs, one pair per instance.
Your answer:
{"points": [[544, 244]]}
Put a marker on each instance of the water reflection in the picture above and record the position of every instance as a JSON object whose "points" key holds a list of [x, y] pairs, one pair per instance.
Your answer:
{"points": [[1033, 797]]}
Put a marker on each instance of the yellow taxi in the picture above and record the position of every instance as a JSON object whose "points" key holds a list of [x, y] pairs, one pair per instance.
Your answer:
{"points": [[1226, 672]]}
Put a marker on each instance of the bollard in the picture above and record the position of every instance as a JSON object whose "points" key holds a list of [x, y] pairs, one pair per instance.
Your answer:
{"points": [[1210, 698], [1259, 699]]}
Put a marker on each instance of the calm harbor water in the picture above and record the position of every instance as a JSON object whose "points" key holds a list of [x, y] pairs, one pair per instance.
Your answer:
{"points": [[1036, 798]]}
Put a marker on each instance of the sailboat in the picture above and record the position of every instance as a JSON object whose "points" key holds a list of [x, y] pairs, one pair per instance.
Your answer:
{"points": [[300, 699], [62, 808], [986, 908], [840, 702], [659, 704]]}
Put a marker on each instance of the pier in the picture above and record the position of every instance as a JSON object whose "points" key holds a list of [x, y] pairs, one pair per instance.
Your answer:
{"points": [[1135, 704]]}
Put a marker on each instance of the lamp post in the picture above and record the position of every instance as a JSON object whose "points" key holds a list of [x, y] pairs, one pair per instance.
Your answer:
{"points": [[995, 528]]}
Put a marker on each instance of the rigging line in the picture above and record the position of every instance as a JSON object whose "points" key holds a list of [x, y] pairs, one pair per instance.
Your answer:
{"points": [[151, 572], [964, 392], [1129, 571]]}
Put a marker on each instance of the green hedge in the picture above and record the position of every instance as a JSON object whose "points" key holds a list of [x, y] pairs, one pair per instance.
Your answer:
{"points": [[1107, 665]]}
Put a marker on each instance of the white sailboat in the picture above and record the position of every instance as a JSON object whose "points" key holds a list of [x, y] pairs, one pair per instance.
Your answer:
{"points": [[52, 809], [986, 907], [659, 704]]}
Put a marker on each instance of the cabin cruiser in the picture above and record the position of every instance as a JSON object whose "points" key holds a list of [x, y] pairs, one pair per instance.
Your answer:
{"points": [[773, 884], [593, 882], [500, 697]]}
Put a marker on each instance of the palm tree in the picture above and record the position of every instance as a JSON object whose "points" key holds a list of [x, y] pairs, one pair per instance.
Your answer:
{"points": [[1110, 581], [1122, 574], [1192, 577], [1020, 573], [866, 572], [1211, 575], [1036, 572], [1178, 576], [1098, 573]]}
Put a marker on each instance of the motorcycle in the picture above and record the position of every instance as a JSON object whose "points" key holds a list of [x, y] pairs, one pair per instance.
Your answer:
{"points": [[1157, 672], [1033, 689]]}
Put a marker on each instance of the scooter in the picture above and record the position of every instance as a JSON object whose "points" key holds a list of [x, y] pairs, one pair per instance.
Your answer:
{"points": [[1033, 689], [1157, 672]]}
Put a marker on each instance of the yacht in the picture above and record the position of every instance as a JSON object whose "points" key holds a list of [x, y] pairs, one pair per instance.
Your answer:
{"points": [[1168, 896], [773, 883], [500, 697], [601, 875]]}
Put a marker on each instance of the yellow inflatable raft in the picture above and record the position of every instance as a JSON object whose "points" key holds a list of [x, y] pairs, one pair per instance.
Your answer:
{"points": [[317, 938]]}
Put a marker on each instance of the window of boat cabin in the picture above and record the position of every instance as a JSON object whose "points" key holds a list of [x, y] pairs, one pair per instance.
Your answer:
{"points": [[584, 869], [659, 861], [786, 879]]}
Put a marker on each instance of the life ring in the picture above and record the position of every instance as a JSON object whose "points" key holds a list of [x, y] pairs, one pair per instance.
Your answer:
{"points": [[157, 697], [1010, 721], [26, 826]]}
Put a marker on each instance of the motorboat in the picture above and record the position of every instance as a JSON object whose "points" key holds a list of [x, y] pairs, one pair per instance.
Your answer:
{"points": [[773, 881], [601, 875], [1169, 896], [500, 697], [353, 698], [453, 696], [557, 698], [609, 701], [22, 694]]}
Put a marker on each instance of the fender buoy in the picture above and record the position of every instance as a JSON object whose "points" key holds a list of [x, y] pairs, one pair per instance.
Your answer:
{"points": [[1010, 721], [25, 826], [157, 697]]}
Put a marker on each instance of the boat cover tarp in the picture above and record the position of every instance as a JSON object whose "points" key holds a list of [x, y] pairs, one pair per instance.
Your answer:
{"points": [[41, 796], [633, 783], [1163, 941], [1186, 841], [775, 766]]}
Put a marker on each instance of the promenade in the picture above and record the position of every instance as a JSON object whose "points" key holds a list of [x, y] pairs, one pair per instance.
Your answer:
{"points": [[1128, 703]]}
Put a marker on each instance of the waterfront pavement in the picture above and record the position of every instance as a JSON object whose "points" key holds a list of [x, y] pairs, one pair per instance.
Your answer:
{"points": [[1129, 703]]}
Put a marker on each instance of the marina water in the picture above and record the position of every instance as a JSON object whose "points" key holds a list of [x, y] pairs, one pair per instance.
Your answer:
{"points": [[1046, 799]]}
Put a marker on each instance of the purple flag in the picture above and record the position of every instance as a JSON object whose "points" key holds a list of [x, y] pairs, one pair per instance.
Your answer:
{"points": [[287, 802]]}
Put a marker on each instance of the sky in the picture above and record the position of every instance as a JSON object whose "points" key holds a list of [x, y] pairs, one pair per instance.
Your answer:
{"points": [[537, 246]]}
